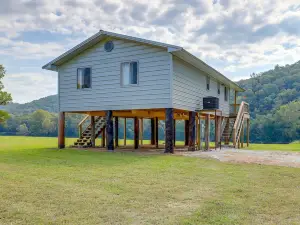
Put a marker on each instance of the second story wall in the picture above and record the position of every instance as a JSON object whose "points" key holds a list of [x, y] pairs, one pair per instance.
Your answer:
{"points": [[107, 93], [189, 88]]}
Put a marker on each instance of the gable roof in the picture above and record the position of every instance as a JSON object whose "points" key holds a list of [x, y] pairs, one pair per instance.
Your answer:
{"points": [[173, 49]]}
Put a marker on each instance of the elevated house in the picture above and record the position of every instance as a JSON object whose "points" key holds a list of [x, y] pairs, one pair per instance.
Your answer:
{"points": [[111, 76]]}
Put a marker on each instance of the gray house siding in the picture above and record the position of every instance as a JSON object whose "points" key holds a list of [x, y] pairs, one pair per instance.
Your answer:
{"points": [[153, 90], [189, 88]]}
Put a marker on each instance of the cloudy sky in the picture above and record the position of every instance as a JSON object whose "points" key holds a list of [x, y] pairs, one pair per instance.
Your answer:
{"points": [[237, 37]]}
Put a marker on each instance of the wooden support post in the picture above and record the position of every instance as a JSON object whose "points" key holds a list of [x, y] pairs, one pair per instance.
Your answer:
{"points": [[207, 131], [235, 102], [141, 130], [109, 131], [156, 132], [248, 132], [192, 117], [136, 133], [117, 131], [242, 136], [103, 137], [174, 132], [169, 137], [152, 131], [125, 131], [186, 132], [226, 131], [199, 132], [93, 131], [216, 130], [61, 130]]}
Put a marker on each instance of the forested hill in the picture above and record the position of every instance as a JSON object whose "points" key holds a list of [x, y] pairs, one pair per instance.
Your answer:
{"points": [[48, 103], [269, 90], [274, 98]]}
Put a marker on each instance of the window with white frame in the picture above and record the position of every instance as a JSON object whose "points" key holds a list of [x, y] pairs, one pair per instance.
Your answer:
{"points": [[226, 94], [207, 83], [129, 73], [84, 78]]}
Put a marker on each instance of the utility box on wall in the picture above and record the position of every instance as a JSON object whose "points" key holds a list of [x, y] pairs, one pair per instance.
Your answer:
{"points": [[210, 103]]}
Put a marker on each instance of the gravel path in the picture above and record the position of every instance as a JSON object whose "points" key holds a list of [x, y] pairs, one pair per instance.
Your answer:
{"points": [[290, 159]]}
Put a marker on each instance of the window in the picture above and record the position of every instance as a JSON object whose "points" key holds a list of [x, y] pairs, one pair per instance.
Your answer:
{"points": [[84, 78], [129, 73], [226, 94], [219, 88], [207, 83]]}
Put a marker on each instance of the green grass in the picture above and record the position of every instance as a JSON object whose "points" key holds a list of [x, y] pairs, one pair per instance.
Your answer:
{"points": [[42, 185], [275, 147]]}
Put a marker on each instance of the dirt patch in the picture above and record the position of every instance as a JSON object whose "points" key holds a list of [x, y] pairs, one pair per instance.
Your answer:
{"points": [[290, 159]]}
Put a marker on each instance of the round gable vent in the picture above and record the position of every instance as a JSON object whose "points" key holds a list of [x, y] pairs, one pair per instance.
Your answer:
{"points": [[109, 46]]}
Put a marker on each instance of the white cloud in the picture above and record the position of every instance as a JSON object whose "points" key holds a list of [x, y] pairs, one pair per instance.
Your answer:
{"points": [[27, 50], [26, 87], [239, 35]]}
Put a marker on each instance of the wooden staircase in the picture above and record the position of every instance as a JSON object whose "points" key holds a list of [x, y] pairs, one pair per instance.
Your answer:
{"points": [[235, 124], [85, 137], [227, 131]]}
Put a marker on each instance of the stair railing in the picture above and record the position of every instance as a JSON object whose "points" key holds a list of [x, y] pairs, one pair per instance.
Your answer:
{"points": [[244, 109], [80, 125]]}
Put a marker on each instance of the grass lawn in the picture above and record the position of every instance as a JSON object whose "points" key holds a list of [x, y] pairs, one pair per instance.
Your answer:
{"points": [[294, 147], [42, 185]]}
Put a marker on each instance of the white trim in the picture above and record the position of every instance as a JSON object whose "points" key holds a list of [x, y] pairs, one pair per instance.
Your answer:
{"points": [[91, 78], [138, 74]]}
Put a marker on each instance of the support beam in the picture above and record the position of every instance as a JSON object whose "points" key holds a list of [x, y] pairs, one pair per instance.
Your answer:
{"points": [[242, 135], [93, 131], [156, 132], [152, 131], [218, 130], [103, 137], [109, 131], [169, 137], [136, 133], [125, 131], [174, 130], [61, 130], [117, 131], [141, 130], [207, 131], [199, 132], [186, 132], [248, 132], [192, 125], [226, 130]]}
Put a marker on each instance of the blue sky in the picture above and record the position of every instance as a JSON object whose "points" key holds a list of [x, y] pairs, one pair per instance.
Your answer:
{"points": [[235, 37]]}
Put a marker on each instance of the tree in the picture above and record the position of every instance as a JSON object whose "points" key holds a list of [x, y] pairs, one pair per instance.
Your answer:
{"points": [[5, 97], [3, 116], [22, 130]]}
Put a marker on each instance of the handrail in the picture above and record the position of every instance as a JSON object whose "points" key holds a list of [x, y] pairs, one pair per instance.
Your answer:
{"points": [[80, 124], [244, 108], [83, 120]]}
